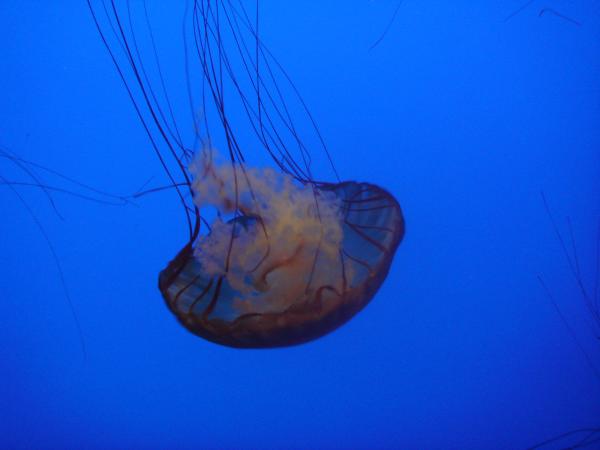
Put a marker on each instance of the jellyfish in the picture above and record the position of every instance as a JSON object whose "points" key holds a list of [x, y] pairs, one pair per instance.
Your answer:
{"points": [[274, 256]]}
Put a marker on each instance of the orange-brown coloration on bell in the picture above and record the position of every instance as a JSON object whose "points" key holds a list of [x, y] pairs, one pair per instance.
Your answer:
{"points": [[373, 227]]}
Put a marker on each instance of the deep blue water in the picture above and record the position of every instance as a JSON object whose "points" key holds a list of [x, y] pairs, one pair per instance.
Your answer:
{"points": [[463, 115]]}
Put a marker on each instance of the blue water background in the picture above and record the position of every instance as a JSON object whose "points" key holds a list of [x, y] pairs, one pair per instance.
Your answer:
{"points": [[464, 116]]}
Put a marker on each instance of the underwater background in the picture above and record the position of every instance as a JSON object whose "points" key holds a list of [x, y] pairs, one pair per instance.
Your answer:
{"points": [[465, 111]]}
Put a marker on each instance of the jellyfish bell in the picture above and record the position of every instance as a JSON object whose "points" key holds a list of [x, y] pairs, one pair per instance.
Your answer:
{"points": [[298, 261], [286, 258]]}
